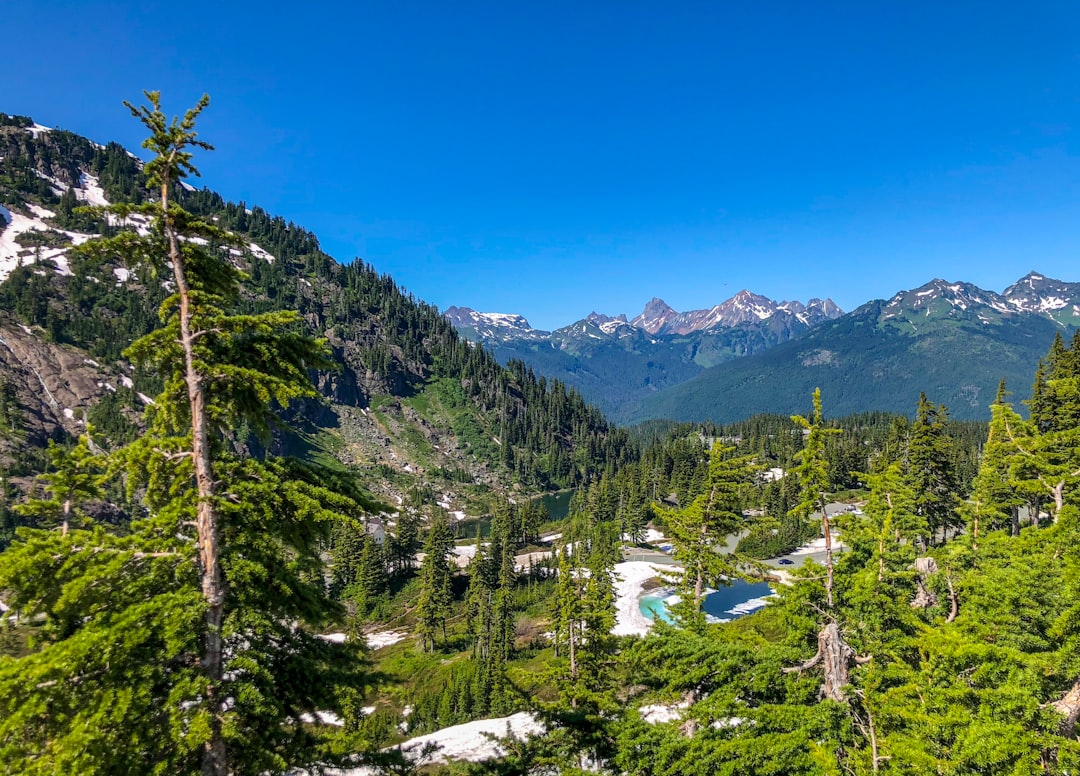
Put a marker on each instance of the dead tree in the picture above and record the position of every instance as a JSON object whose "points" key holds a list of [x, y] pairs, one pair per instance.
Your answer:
{"points": [[835, 656]]}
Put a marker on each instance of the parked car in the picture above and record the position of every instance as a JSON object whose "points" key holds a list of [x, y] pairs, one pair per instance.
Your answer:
{"points": [[786, 562]]}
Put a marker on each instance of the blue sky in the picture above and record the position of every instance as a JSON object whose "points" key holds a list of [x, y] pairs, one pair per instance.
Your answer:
{"points": [[555, 158]]}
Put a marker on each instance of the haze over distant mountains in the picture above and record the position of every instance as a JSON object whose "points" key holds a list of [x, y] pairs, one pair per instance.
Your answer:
{"points": [[750, 354]]}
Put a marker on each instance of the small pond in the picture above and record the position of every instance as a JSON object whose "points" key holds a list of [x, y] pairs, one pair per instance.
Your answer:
{"points": [[728, 603]]}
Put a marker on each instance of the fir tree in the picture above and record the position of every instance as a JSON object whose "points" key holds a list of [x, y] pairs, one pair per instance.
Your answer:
{"points": [[433, 606], [813, 475], [171, 647]]}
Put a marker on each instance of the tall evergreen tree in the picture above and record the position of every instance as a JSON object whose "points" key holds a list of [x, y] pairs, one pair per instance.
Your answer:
{"points": [[433, 606], [813, 475], [931, 471], [171, 647]]}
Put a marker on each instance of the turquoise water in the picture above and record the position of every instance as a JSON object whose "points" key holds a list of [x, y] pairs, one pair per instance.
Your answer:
{"points": [[727, 603], [653, 607], [557, 504]]}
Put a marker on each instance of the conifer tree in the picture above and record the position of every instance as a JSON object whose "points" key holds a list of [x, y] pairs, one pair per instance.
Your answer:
{"points": [[930, 470], [704, 523], [433, 606], [813, 475], [74, 480], [171, 647]]}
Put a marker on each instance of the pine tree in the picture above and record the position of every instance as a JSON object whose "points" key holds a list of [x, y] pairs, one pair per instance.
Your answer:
{"points": [[813, 475], [371, 582], [170, 647], [433, 605], [931, 471], [74, 480], [697, 529]]}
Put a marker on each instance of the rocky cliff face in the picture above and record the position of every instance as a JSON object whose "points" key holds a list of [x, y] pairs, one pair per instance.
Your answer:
{"points": [[54, 386]]}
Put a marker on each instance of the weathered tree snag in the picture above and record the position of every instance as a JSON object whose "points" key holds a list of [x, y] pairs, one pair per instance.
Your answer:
{"points": [[924, 598], [1068, 707], [954, 608], [835, 656]]}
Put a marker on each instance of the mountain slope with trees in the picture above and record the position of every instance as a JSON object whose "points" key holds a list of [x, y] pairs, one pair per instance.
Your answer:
{"points": [[954, 341], [616, 363], [406, 393]]}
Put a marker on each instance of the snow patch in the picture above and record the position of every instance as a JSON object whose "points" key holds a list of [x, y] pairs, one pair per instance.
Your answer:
{"points": [[659, 713], [471, 742], [259, 253], [380, 639], [630, 577], [333, 638], [126, 381], [90, 191], [323, 718]]}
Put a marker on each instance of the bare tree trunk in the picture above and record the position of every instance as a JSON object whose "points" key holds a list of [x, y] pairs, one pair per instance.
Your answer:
{"points": [[828, 553], [834, 655], [67, 517], [954, 608], [1014, 527], [1069, 707], [1059, 499], [213, 588]]}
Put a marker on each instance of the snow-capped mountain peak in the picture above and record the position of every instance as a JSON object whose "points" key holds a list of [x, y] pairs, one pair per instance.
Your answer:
{"points": [[655, 315]]}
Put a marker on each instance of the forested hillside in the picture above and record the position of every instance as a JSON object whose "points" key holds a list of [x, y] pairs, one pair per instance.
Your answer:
{"points": [[955, 345], [459, 407]]}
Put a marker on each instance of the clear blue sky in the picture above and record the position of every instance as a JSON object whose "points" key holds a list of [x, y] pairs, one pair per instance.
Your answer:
{"points": [[554, 158]]}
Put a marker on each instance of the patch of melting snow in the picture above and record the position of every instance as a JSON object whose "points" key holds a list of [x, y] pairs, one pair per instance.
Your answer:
{"points": [[39, 211], [380, 639], [630, 576], [658, 713], [470, 742], [126, 381], [90, 190], [259, 253], [323, 718], [144, 398]]}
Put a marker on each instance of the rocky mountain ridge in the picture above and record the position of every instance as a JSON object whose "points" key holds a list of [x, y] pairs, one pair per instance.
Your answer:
{"points": [[953, 340]]}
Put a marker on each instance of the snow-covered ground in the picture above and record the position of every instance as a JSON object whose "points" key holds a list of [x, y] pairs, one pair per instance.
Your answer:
{"points": [[12, 253], [375, 639], [652, 536], [323, 718], [380, 639], [818, 545], [469, 742], [629, 579], [660, 712]]}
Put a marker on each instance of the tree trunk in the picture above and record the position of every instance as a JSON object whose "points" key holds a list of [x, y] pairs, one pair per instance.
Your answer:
{"points": [[213, 589], [1069, 707], [834, 655], [828, 553], [1015, 521]]}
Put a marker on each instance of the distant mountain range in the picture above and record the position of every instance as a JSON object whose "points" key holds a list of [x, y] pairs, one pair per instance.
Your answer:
{"points": [[750, 354], [617, 362]]}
